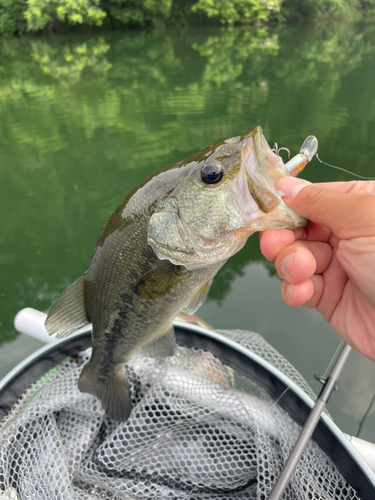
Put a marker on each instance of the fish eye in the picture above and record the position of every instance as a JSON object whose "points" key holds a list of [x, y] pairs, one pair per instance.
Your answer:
{"points": [[212, 173]]}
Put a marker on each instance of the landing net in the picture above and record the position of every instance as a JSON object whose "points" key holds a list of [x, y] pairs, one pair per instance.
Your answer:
{"points": [[198, 431]]}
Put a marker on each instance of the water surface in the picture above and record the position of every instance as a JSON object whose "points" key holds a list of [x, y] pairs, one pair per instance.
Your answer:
{"points": [[84, 119]]}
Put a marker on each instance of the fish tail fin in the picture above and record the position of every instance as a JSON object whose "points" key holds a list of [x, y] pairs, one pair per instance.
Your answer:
{"points": [[68, 313], [113, 392]]}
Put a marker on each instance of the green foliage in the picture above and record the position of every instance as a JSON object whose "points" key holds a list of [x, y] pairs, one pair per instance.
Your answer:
{"points": [[11, 16], [240, 46], [41, 13], [138, 12], [239, 11], [67, 65], [17, 16], [321, 9]]}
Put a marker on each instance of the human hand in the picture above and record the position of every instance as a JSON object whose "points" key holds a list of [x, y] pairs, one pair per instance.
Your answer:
{"points": [[329, 265]]}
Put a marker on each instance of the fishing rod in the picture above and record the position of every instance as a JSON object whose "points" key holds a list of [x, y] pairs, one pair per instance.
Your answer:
{"points": [[310, 424]]}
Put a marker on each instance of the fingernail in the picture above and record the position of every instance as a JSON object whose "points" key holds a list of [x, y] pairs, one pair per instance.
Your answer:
{"points": [[291, 186], [289, 291], [287, 262]]}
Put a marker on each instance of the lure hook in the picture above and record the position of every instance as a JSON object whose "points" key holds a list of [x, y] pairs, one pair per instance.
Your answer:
{"points": [[277, 150]]}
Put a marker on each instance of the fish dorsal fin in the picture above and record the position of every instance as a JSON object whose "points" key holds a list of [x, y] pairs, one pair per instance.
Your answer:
{"points": [[68, 313], [199, 297], [160, 281], [161, 347]]}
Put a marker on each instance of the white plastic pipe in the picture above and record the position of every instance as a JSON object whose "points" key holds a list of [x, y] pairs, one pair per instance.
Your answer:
{"points": [[31, 322], [365, 449]]}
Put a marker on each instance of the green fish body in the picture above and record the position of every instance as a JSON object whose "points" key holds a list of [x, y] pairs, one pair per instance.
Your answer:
{"points": [[159, 252]]}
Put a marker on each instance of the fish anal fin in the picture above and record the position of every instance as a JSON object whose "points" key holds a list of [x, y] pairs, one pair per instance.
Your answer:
{"points": [[199, 298], [162, 346], [160, 281], [68, 313], [113, 393]]}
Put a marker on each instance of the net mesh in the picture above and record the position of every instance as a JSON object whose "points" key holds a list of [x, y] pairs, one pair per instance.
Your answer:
{"points": [[198, 430]]}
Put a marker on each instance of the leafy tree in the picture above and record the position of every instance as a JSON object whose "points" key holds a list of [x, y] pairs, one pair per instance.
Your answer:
{"points": [[321, 9], [11, 16], [41, 13], [138, 12], [239, 11], [34, 15]]}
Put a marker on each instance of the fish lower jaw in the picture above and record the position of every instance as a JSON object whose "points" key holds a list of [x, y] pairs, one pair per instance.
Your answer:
{"points": [[244, 233]]}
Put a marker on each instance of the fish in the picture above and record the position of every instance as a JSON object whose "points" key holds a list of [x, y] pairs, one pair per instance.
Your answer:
{"points": [[159, 252]]}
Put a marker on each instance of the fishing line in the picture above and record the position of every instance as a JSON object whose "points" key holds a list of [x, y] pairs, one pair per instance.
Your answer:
{"points": [[250, 416], [313, 381], [278, 399], [365, 416], [189, 493], [333, 359], [343, 170], [274, 403]]}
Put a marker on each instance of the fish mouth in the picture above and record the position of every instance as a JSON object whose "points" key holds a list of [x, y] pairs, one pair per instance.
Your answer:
{"points": [[261, 168], [259, 183]]}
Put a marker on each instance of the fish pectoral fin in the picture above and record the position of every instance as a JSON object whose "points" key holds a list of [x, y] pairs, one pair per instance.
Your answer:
{"points": [[157, 283], [161, 347], [199, 298], [114, 393], [68, 313]]}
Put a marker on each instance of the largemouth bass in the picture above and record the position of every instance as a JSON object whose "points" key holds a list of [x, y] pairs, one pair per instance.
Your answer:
{"points": [[159, 252]]}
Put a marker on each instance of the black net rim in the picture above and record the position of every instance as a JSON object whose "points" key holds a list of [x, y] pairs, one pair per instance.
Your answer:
{"points": [[47, 358]]}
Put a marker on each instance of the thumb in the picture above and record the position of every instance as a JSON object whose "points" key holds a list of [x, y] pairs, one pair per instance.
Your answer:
{"points": [[346, 215]]}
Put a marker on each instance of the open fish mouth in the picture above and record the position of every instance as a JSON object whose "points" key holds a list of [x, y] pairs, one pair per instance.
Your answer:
{"points": [[263, 167], [256, 153]]}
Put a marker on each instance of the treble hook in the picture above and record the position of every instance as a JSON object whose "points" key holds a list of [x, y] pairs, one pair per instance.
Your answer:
{"points": [[277, 150]]}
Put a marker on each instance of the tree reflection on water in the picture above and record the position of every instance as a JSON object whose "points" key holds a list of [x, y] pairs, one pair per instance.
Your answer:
{"points": [[85, 119]]}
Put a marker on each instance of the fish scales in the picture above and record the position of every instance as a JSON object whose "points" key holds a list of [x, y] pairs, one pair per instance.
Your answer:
{"points": [[159, 252]]}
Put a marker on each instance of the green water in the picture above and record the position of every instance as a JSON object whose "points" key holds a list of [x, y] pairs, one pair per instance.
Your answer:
{"points": [[84, 119]]}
